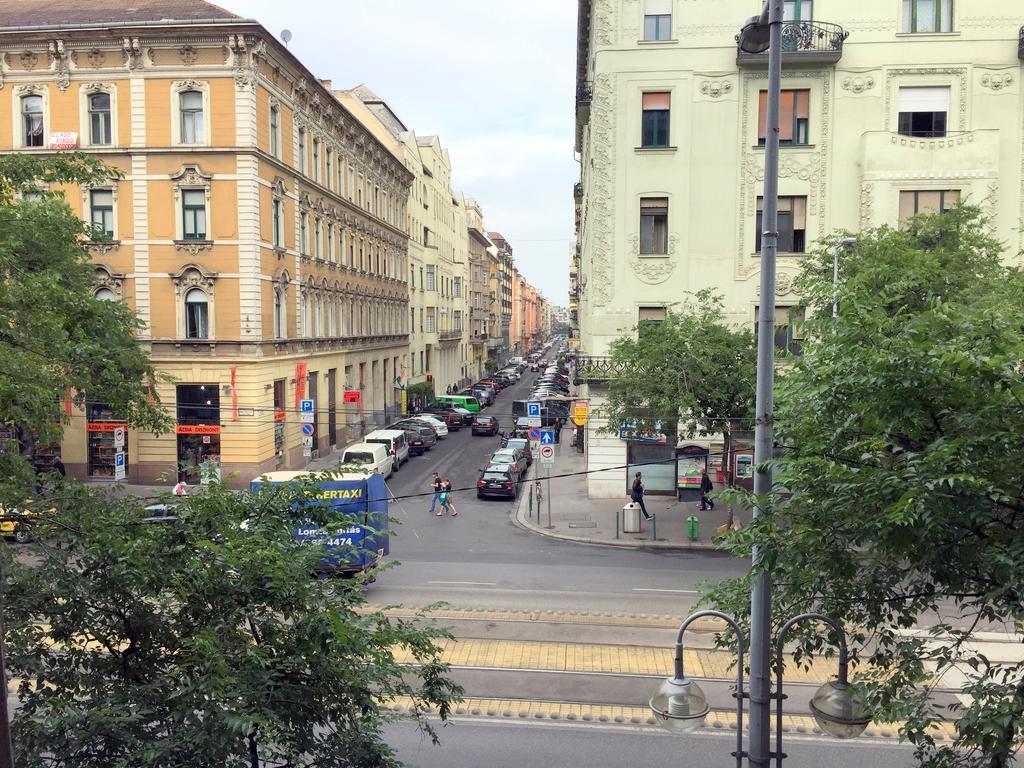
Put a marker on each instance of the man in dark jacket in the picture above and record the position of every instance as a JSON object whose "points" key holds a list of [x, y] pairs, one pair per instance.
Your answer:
{"points": [[637, 495], [705, 488]]}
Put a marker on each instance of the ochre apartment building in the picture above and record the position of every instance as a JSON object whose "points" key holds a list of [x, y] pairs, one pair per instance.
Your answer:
{"points": [[257, 229]]}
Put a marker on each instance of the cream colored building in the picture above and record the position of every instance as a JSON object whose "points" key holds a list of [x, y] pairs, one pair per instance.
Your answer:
{"points": [[480, 296], [259, 230], [889, 107]]}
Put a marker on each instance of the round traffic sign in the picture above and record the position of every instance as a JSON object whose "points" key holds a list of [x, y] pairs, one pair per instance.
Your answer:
{"points": [[534, 433], [547, 452], [307, 430]]}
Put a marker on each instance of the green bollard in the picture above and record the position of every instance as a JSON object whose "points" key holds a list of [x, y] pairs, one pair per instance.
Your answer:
{"points": [[693, 527]]}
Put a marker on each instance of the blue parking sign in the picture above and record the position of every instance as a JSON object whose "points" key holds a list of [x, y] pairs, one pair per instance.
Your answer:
{"points": [[533, 409], [547, 437], [306, 406]]}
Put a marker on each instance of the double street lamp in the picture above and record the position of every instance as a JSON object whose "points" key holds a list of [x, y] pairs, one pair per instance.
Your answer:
{"points": [[680, 704]]}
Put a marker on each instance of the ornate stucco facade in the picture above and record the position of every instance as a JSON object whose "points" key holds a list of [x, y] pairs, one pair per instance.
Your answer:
{"points": [[258, 230], [892, 107]]}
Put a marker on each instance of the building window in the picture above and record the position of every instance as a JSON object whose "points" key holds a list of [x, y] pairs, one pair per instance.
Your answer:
{"points": [[788, 329], [193, 214], [191, 106], [359, 192], [654, 129], [792, 224], [304, 233], [430, 277], [658, 20], [654, 226], [927, 15], [275, 131], [32, 120], [457, 320], [279, 324], [101, 210], [330, 243], [99, 119], [316, 159], [330, 169], [197, 315], [794, 117], [317, 239], [913, 202], [431, 321], [278, 220], [922, 111], [302, 150], [797, 10], [457, 288]]}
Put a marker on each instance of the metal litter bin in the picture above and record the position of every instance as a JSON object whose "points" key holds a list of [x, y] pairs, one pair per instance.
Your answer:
{"points": [[631, 518]]}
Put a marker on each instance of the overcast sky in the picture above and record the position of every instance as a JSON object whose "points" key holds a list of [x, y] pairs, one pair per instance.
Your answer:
{"points": [[495, 80]]}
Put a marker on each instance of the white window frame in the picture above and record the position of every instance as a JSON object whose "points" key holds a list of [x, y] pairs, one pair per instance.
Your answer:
{"points": [[85, 124], [304, 233], [301, 150], [87, 206], [274, 131], [179, 87], [16, 119], [277, 221], [194, 277], [316, 159]]}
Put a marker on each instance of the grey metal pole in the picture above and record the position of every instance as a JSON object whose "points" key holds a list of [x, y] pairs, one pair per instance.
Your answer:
{"points": [[761, 594], [835, 280], [548, 494]]}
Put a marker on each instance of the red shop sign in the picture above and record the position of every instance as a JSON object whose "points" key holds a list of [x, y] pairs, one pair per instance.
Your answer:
{"points": [[352, 396], [104, 426], [198, 429]]}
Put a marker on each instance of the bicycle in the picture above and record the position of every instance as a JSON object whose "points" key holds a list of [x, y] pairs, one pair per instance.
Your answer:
{"points": [[537, 491]]}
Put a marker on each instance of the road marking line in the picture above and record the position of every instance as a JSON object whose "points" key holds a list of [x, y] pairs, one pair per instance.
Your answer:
{"points": [[677, 591], [471, 583]]}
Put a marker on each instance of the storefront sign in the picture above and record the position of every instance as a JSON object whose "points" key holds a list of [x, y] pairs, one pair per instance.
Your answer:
{"points": [[246, 411], [279, 415], [63, 139], [352, 396], [105, 426], [580, 412], [198, 429], [635, 435], [405, 402]]}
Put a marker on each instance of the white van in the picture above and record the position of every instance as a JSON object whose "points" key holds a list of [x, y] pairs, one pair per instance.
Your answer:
{"points": [[395, 441], [374, 456]]}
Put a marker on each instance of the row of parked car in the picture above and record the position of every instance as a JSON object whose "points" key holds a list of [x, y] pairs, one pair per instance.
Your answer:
{"points": [[386, 450]]}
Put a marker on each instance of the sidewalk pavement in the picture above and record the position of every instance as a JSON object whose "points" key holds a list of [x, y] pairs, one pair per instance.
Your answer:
{"points": [[574, 517]]}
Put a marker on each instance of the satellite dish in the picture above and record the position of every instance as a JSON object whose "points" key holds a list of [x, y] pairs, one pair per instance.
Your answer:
{"points": [[286, 35]]}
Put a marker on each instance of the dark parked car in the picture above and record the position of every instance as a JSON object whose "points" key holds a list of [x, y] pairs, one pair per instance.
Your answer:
{"points": [[499, 480], [427, 432], [485, 425], [510, 456], [453, 419], [417, 442]]}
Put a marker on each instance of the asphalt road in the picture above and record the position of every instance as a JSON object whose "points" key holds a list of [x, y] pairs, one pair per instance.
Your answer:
{"points": [[482, 558], [514, 744]]}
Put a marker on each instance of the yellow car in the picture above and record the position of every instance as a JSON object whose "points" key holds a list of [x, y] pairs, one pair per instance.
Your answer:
{"points": [[16, 523]]}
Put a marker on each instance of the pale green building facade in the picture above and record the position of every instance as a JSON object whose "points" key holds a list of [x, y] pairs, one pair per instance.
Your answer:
{"points": [[889, 107]]}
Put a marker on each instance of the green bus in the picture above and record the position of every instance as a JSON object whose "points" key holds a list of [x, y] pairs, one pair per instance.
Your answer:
{"points": [[471, 404]]}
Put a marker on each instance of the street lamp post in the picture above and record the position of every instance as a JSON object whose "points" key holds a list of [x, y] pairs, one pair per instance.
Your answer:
{"points": [[679, 704], [760, 32]]}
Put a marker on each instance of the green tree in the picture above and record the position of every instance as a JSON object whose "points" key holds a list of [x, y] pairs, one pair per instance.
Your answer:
{"points": [[904, 475], [203, 642], [690, 369], [55, 337]]}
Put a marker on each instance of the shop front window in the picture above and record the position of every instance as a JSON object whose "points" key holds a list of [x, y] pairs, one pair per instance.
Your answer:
{"points": [[102, 430], [198, 433]]}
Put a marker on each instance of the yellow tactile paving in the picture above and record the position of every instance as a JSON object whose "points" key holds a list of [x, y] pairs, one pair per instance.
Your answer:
{"points": [[614, 659], [554, 617], [638, 715]]}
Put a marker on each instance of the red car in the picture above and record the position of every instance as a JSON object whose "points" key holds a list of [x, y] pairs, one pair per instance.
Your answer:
{"points": [[452, 419]]}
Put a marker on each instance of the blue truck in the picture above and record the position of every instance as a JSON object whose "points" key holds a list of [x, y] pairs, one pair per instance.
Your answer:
{"points": [[362, 498]]}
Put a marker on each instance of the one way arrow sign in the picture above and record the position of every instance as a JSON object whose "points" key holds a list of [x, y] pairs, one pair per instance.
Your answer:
{"points": [[547, 437]]}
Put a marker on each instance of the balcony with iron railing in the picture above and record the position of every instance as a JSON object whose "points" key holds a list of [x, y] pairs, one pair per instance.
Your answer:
{"points": [[804, 42], [592, 369], [577, 190]]}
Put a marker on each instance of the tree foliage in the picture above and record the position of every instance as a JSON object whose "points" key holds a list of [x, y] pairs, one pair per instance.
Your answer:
{"points": [[202, 642], [904, 475], [689, 369], [55, 337]]}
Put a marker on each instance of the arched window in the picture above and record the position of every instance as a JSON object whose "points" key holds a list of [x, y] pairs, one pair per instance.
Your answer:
{"points": [[197, 315], [105, 294], [331, 317], [307, 328], [319, 316], [32, 120], [279, 316], [190, 104]]}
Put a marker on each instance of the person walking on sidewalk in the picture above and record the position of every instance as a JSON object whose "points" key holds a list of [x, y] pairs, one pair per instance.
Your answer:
{"points": [[435, 483], [637, 495], [446, 500], [705, 488]]}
